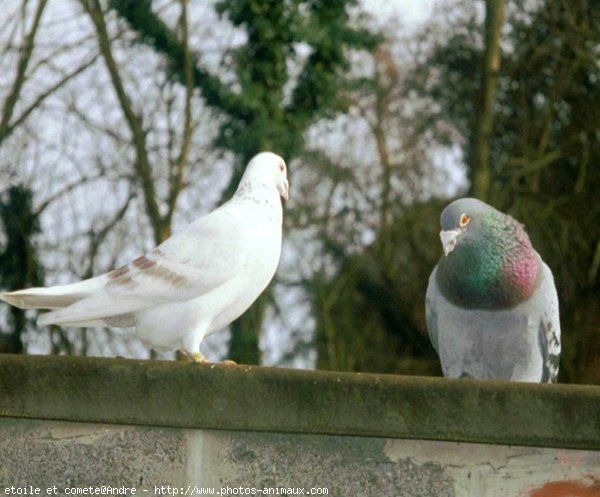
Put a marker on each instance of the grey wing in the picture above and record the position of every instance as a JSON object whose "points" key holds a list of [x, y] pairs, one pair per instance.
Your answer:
{"points": [[549, 327], [431, 317]]}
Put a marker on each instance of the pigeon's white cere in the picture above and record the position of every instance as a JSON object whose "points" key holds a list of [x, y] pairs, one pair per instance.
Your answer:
{"points": [[449, 238], [196, 282]]}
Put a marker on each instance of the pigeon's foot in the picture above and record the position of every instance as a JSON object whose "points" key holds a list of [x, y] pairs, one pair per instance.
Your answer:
{"points": [[228, 362], [198, 357]]}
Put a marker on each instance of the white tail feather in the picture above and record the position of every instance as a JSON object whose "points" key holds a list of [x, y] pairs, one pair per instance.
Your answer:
{"points": [[36, 298], [54, 297], [98, 307]]}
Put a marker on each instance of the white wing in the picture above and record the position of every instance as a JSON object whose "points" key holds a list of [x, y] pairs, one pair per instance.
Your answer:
{"points": [[189, 264]]}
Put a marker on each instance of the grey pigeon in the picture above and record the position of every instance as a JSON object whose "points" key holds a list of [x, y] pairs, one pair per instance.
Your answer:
{"points": [[491, 305], [196, 282]]}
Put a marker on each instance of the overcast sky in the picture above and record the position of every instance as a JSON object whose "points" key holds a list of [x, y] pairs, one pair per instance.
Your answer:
{"points": [[408, 12]]}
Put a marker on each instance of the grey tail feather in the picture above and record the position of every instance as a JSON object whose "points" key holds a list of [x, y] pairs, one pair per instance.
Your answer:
{"points": [[75, 324], [118, 321]]}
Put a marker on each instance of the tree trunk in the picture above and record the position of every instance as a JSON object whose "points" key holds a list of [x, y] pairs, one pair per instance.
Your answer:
{"points": [[245, 333], [479, 160]]}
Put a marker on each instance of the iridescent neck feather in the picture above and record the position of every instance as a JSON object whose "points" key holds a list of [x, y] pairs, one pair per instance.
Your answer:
{"points": [[493, 265]]}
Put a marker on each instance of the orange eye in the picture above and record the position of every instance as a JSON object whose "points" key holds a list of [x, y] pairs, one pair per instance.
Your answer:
{"points": [[464, 220]]}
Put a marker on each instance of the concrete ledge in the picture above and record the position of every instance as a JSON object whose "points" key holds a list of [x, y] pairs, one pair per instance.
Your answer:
{"points": [[244, 398], [64, 454]]}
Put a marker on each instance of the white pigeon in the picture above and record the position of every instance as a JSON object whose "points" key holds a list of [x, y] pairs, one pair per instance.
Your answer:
{"points": [[195, 282]]}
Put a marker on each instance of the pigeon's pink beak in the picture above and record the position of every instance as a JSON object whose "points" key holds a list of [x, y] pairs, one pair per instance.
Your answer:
{"points": [[284, 191]]}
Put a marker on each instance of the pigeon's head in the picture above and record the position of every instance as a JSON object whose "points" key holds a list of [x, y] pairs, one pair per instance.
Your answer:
{"points": [[269, 167], [488, 260], [459, 217]]}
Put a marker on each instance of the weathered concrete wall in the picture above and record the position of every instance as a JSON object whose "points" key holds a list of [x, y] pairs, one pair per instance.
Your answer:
{"points": [[155, 461], [99, 426]]}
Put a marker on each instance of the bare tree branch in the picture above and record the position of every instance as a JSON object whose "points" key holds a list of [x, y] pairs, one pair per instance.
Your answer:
{"points": [[66, 189], [134, 121], [383, 67], [106, 129], [176, 179], [8, 23], [97, 237], [43, 96], [20, 75]]}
